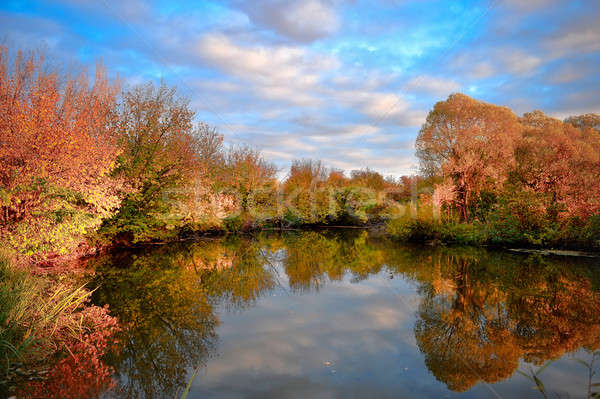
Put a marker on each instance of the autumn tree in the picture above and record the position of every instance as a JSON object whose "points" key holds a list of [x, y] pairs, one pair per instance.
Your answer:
{"points": [[336, 178], [309, 198], [54, 128], [246, 169], [561, 161], [251, 179], [58, 146], [469, 142], [210, 150], [369, 178], [155, 128], [163, 155], [305, 173], [586, 120]]}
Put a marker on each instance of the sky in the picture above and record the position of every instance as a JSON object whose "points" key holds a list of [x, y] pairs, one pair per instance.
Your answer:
{"points": [[346, 81]]}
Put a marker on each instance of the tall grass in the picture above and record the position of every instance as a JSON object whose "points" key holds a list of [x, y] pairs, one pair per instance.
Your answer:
{"points": [[18, 291], [34, 318]]}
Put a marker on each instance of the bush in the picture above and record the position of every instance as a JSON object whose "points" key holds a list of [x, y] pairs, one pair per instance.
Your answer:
{"points": [[237, 223], [356, 204], [58, 223], [462, 233], [421, 226], [591, 232]]}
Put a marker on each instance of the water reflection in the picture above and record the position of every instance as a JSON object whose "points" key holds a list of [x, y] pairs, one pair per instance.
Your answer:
{"points": [[168, 323], [477, 315], [482, 312]]}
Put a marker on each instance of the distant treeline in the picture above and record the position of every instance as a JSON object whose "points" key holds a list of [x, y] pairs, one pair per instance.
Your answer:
{"points": [[84, 160]]}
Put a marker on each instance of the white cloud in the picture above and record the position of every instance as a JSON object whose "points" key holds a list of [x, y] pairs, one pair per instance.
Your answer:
{"points": [[569, 73], [482, 70], [520, 63], [381, 107], [434, 85], [297, 76], [278, 155], [576, 39], [471, 64], [300, 20], [345, 132], [297, 83], [295, 144], [277, 72]]}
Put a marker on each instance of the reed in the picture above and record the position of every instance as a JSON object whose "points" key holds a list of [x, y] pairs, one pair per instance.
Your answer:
{"points": [[35, 319]]}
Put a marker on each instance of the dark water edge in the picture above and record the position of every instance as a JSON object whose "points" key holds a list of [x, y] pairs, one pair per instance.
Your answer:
{"points": [[346, 314]]}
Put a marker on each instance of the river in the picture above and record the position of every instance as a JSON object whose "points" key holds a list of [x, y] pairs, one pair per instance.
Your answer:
{"points": [[345, 314]]}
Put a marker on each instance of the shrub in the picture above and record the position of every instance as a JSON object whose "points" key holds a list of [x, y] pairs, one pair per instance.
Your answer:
{"points": [[462, 233], [356, 204], [57, 224], [591, 232], [415, 225]]}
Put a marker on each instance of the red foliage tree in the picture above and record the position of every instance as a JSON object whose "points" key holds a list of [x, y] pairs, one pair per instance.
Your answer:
{"points": [[58, 133], [469, 142], [562, 161]]}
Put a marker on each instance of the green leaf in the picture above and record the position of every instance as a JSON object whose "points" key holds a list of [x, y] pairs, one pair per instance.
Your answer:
{"points": [[586, 364], [539, 371], [540, 384], [189, 384], [525, 375]]}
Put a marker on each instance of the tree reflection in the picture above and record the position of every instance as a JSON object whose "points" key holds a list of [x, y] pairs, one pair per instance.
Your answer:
{"points": [[168, 324], [480, 313], [247, 276], [165, 301], [463, 329], [313, 258]]}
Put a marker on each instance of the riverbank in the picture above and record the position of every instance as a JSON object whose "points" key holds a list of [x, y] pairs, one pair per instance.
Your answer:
{"points": [[420, 227], [498, 229]]}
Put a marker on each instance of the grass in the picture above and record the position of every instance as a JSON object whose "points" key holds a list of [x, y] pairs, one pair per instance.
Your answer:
{"points": [[34, 319], [17, 295], [189, 384]]}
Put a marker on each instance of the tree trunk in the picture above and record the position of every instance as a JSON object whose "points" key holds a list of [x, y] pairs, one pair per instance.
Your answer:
{"points": [[466, 204]]}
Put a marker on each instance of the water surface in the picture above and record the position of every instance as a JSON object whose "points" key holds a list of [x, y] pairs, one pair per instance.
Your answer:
{"points": [[347, 315]]}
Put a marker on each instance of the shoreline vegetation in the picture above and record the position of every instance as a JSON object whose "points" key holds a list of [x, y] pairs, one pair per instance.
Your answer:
{"points": [[86, 164]]}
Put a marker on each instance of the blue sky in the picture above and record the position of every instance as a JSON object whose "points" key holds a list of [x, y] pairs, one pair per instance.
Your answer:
{"points": [[346, 81]]}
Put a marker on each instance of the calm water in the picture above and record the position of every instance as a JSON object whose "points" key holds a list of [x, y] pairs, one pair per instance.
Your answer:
{"points": [[344, 315]]}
